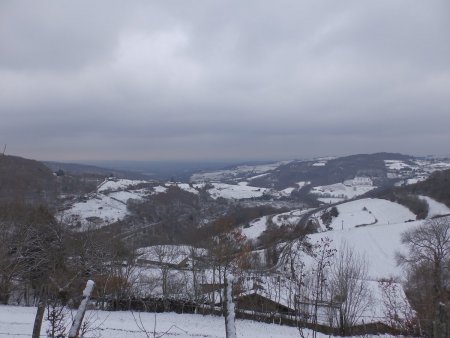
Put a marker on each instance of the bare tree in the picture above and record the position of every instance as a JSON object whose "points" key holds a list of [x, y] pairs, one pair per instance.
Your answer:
{"points": [[323, 255], [196, 269], [349, 289], [228, 253], [313, 284], [12, 265], [397, 309], [57, 316], [167, 257], [429, 249]]}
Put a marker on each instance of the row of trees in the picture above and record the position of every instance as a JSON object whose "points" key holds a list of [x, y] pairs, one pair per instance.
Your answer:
{"points": [[332, 289], [427, 262], [44, 264]]}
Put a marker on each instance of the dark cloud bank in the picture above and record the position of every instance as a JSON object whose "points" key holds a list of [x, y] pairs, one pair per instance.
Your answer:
{"points": [[210, 80]]}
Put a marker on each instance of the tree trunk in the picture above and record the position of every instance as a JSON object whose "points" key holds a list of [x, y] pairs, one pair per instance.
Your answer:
{"points": [[230, 326], [78, 320], [441, 323], [39, 316]]}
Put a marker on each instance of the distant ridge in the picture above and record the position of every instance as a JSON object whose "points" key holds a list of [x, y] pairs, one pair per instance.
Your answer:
{"points": [[26, 181], [81, 169]]}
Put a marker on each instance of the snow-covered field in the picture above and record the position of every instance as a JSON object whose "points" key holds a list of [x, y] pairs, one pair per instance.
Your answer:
{"points": [[414, 170], [287, 191], [340, 190], [440, 165], [256, 228], [230, 174], [107, 206], [435, 208], [379, 241], [119, 184], [370, 211], [259, 225], [396, 164], [235, 191], [289, 218], [301, 184], [17, 321]]}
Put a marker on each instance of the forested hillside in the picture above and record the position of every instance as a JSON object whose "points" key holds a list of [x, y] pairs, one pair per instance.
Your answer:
{"points": [[437, 186], [27, 181]]}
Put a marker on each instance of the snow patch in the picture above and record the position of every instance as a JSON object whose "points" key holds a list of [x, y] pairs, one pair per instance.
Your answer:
{"points": [[231, 191], [118, 184], [340, 190], [256, 228], [435, 208]]}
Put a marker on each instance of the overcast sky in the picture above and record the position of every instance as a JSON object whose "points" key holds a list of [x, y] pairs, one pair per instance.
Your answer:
{"points": [[208, 80]]}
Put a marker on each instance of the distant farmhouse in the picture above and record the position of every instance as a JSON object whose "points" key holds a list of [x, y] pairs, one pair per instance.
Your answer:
{"points": [[359, 181]]}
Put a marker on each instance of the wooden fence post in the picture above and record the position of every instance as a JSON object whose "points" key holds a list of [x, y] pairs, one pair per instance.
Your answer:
{"points": [[76, 324]]}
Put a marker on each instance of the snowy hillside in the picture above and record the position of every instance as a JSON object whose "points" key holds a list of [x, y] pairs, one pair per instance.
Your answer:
{"points": [[99, 209], [119, 184], [380, 240], [242, 171], [378, 243], [340, 190], [435, 208], [235, 191], [373, 228], [256, 227], [370, 211], [106, 206]]}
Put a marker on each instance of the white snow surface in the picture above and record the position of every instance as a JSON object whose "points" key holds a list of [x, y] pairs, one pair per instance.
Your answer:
{"points": [[235, 172], [120, 184], [18, 321], [109, 204], [289, 218], [340, 190], [370, 211], [435, 208], [301, 184], [257, 176], [441, 165], [108, 209], [378, 243], [395, 164], [124, 196], [257, 227], [233, 191], [287, 191], [159, 189]]}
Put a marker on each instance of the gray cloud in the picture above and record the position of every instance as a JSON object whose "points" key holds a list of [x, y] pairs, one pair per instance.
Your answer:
{"points": [[217, 80]]}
